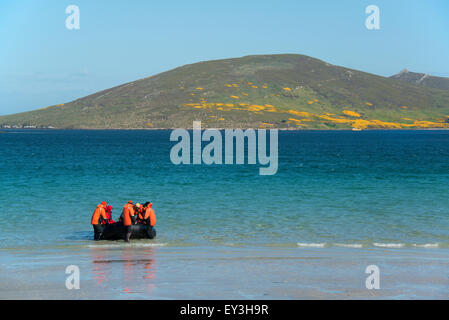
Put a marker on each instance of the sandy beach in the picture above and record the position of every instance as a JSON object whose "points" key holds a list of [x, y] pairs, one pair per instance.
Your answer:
{"points": [[144, 271]]}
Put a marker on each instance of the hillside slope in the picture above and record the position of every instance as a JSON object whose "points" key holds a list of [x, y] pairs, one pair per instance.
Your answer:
{"points": [[283, 91], [422, 79]]}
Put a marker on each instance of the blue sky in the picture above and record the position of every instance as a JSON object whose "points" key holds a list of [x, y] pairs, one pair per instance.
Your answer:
{"points": [[42, 63]]}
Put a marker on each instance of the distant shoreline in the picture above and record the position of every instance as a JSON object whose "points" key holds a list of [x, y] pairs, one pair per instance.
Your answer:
{"points": [[5, 130]]}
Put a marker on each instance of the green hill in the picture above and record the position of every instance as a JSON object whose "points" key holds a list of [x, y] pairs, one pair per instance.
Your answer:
{"points": [[282, 91]]}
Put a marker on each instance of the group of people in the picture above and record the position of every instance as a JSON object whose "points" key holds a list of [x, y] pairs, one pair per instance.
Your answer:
{"points": [[131, 214]]}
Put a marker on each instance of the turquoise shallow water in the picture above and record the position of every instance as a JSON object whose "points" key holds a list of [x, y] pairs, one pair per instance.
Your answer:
{"points": [[333, 188]]}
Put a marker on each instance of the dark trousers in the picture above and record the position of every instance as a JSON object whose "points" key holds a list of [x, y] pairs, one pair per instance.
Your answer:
{"points": [[128, 232], [98, 231]]}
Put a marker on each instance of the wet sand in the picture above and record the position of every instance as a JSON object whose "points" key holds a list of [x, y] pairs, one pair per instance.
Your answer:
{"points": [[143, 271]]}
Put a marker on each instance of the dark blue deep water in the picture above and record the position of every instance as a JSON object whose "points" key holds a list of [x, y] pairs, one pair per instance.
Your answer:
{"points": [[333, 188]]}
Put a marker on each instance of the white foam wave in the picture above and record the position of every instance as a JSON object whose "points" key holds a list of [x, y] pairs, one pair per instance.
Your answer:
{"points": [[389, 245], [311, 245], [123, 245], [427, 245], [349, 245]]}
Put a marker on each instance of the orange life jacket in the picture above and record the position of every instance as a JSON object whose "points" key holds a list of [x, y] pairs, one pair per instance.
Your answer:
{"points": [[128, 212], [99, 212], [149, 213]]}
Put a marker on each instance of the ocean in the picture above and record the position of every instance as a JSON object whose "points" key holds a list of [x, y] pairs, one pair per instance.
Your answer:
{"points": [[338, 199]]}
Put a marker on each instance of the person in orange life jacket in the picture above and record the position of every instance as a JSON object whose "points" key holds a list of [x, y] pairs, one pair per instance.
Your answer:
{"points": [[148, 217], [109, 215], [139, 212], [98, 217], [135, 208], [129, 219]]}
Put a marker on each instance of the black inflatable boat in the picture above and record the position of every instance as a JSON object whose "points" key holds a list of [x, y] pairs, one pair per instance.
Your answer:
{"points": [[116, 231]]}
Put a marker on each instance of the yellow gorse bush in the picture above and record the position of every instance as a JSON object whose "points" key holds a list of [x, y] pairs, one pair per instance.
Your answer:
{"points": [[351, 113]]}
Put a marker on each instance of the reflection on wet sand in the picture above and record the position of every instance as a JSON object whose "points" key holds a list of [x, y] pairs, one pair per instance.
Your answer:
{"points": [[99, 269], [127, 267]]}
